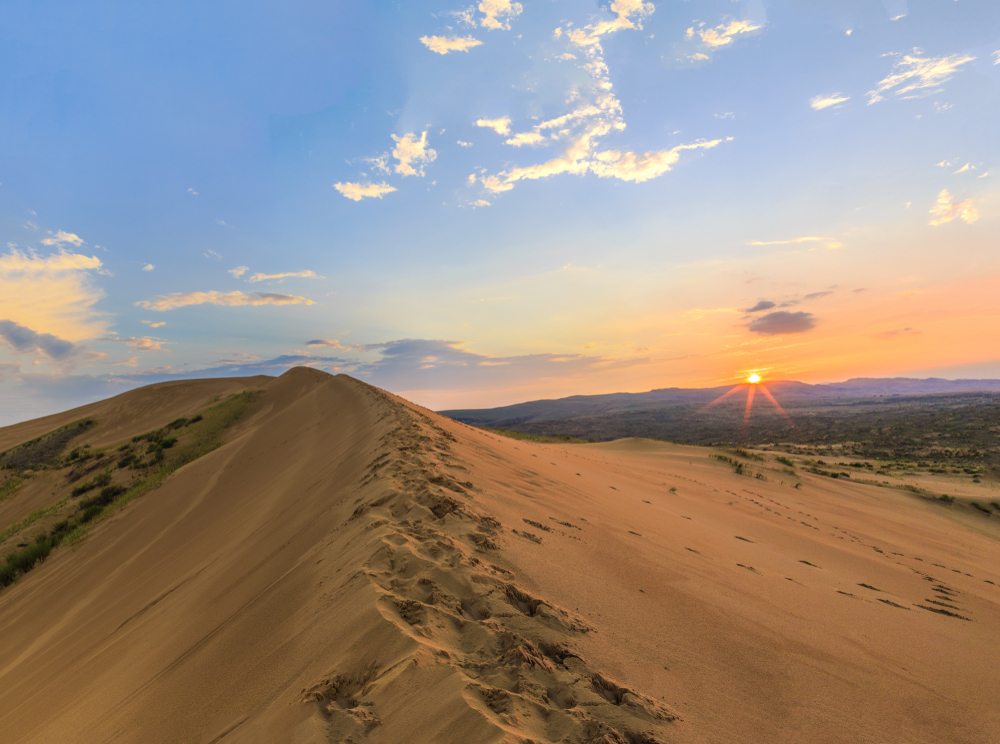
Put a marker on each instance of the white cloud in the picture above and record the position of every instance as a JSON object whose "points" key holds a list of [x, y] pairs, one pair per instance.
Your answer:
{"points": [[299, 274], [358, 191], [445, 44], [410, 152], [192, 192], [500, 126], [63, 237], [723, 34], [597, 113], [631, 14], [498, 13], [984, 175], [945, 209], [464, 144], [964, 168], [821, 102], [480, 203], [52, 294], [239, 271], [525, 138], [148, 267], [916, 73], [638, 168], [212, 254], [151, 324], [945, 164], [229, 299], [997, 55]]}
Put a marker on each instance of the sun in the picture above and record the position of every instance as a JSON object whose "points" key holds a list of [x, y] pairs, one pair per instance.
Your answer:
{"points": [[754, 378]]}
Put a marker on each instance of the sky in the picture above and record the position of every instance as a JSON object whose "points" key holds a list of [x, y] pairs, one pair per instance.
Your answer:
{"points": [[476, 205]]}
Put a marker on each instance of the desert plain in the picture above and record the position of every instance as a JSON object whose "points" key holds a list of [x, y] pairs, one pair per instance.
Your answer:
{"points": [[346, 566]]}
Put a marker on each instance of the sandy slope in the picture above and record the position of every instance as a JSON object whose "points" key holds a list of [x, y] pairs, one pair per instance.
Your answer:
{"points": [[352, 568]]}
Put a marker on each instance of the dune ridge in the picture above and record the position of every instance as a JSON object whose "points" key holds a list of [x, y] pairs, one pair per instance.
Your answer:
{"points": [[349, 567]]}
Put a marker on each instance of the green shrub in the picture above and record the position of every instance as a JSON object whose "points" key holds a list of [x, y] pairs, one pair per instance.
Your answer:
{"points": [[24, 560], [7, 575], [90, 512], [106, 496], [168, 443], [177, 423], [785, 461], [195, 420]]}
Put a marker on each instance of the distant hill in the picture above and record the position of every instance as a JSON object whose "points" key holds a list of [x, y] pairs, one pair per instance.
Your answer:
{"points": [[786, 390]]}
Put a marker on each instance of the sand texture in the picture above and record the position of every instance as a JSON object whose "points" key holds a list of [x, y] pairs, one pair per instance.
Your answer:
{"points": [[349, 567]]}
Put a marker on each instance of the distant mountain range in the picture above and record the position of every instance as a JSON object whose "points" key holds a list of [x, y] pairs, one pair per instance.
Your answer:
{"points": [[787, 391]]}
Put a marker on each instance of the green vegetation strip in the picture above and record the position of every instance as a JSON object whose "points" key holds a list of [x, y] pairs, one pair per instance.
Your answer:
{"points": [[10, 488], [204, 438]]}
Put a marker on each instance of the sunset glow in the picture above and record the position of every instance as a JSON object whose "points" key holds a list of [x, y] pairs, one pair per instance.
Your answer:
{"points": [[607, 198]]}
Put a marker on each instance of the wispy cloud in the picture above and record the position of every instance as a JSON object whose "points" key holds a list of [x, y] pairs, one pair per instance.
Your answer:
{"points": [[229, 299], [760, 306], [286, 275], [61, 237], [148, 267], [26, 341], [359, 191], [446, 44], [213, 254], [723, 34], [629, 14], [945, 209], [895, 333], [239, 271], [412, 153], [500, 126], [821, 102], [916, 73], [151, 324], [464, 144], [964, 168], [141, 344], [804, 239], [332, 343]]}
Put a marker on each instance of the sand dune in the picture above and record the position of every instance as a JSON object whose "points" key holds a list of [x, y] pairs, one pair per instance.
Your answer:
{"points": [[349, 567]]}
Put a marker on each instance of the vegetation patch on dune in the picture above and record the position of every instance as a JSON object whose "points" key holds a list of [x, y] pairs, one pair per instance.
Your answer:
{"points": [[201, 434], [44, 449]]}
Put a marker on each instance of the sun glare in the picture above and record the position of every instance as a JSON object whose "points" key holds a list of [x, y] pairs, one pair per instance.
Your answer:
{"points": [[754, 378]]}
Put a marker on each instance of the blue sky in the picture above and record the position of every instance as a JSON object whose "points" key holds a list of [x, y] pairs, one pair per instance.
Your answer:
{"points": [[479, 204]]}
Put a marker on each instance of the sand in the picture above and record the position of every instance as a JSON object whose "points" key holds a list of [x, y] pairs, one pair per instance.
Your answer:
{"points": [[349, 567]]}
